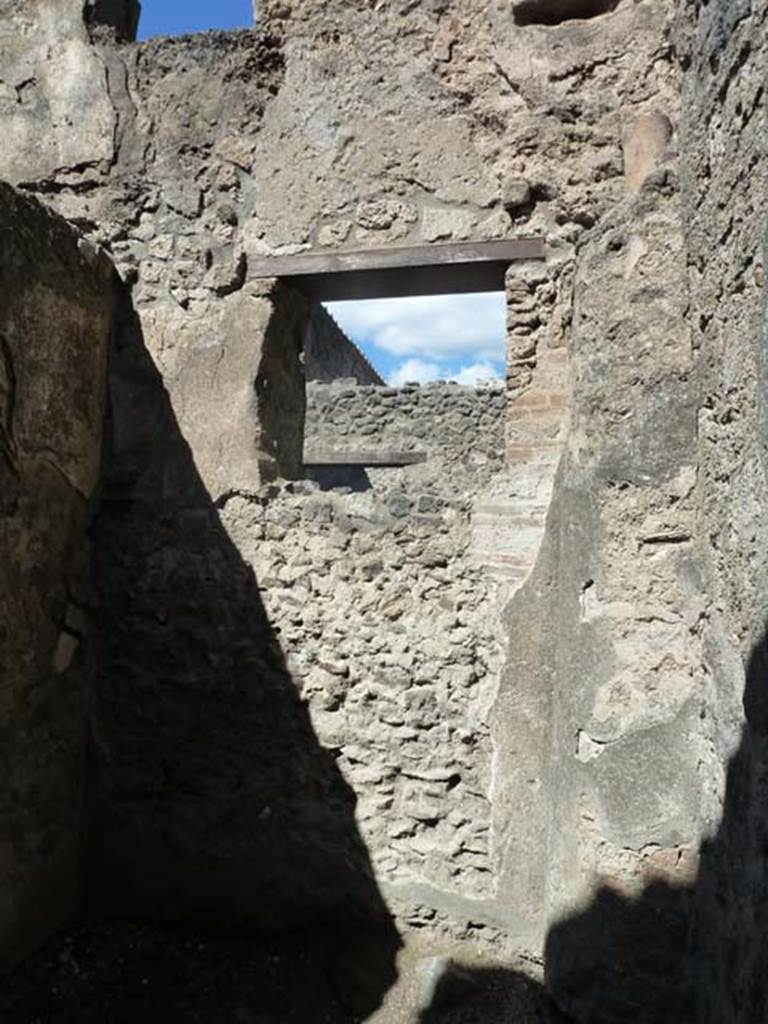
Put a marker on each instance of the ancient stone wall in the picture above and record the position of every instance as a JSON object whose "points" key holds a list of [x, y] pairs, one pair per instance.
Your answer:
{"points": [[55, 310], [301, 704], [198, 154], [461, 434], [723, 184], [644, 616], [202, 138], [390, 627], [238, 818], [170, 211], [391, 636], [464, 433], [459, 429], [330, 355], [620, 582]]}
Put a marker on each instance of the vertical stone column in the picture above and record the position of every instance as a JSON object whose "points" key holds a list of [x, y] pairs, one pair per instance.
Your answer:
{"points": [[624, 742], [538, 307]]}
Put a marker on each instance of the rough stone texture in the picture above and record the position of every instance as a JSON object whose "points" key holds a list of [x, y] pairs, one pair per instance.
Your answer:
{"points": [[238, 816], [330, 355], [462, 432], [55, 306], [390, 630], [640, 633], [208, 135], [619, 581], [389, 634], [351, 639], [203, 140], [460, 429], [723, 184], [635, 666], [51, 75], [169, 212]]}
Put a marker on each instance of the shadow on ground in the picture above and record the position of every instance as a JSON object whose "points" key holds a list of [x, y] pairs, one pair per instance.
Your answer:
{"points": [[121, 973], [487, 995]]}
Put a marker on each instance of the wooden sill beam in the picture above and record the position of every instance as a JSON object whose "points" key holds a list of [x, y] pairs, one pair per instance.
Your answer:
{"points": [[384, 459]]}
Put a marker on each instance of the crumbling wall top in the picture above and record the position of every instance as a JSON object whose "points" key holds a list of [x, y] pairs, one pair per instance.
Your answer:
{"points": [[121, 16]]}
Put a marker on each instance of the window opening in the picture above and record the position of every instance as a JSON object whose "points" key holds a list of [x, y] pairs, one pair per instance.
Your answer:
{"points": [[429, 319], [392, 382]]}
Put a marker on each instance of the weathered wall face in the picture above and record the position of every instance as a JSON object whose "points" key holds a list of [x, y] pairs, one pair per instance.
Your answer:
{"points": [[50, 70], [639, 664], [624, 705], [157, 180], [55, 308], [232, 145], [297, 136], [391, 626], [723, 178], [567, 811], [459, 429], [390, 634], [237, 816], [351, 639]]}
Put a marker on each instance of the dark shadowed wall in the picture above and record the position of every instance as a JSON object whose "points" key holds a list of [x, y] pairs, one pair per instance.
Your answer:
{"points": [[55, 310]]}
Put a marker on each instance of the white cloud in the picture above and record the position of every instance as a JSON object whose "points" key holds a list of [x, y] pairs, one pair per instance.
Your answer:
{"points": [[439, 327], [415, 370], [478, 373], [421, 372]]}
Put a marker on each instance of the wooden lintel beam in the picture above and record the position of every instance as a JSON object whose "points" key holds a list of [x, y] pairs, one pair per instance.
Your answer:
{"points": [[400, 257], [442, 269]]}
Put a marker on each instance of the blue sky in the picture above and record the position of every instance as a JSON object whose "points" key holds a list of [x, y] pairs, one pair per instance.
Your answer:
{"points": [[174, 17], [438, 337]]}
